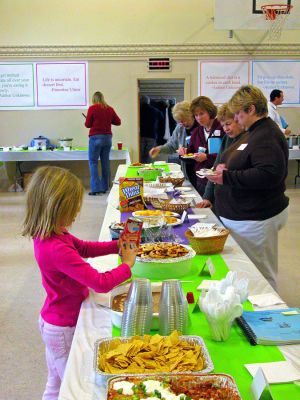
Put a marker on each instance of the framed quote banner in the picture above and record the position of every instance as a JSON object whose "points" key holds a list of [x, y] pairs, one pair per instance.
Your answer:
{"points": [[219, 80], [282, 75], [44, 85], [17, 85]]}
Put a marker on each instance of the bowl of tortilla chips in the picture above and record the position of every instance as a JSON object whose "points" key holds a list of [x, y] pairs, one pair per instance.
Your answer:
{"points": [[163, 260], [151, 355]]}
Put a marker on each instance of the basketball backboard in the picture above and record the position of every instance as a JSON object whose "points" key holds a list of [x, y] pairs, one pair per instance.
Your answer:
{"points": [[247, 14]]}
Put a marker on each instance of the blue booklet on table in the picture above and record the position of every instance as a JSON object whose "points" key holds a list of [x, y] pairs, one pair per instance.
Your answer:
{"points": [[271, 327], [214, 145]]}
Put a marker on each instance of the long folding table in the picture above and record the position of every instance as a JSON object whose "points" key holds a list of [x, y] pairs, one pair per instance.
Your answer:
{"points": [[80, 381]]}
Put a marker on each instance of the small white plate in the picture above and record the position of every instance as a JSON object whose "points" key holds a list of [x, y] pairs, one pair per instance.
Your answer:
{"points": [[188, 196], [186, 156]]}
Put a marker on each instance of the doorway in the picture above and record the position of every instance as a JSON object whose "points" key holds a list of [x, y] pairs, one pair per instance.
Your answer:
{"points": [[156, 122]]}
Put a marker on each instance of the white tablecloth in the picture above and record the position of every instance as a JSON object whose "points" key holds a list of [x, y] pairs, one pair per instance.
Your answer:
{"points": [[80, 381], [59, 155]]}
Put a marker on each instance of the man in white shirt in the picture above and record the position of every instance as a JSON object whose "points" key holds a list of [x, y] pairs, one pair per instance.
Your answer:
{"points": [[276, 99]]}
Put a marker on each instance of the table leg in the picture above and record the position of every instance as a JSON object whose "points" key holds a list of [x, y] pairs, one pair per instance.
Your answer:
{"points": [[298, 173]]}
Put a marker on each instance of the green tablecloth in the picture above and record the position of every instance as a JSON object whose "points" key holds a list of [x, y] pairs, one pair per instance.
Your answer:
{"points": [[229, 357]]}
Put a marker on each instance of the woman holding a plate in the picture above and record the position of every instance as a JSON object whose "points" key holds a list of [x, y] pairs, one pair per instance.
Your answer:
{"points": [[234, 132], [250, 182], [205, 113]]}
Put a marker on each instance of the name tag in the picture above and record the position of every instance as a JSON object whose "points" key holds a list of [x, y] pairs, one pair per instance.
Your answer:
{"points": [[217, 133], [242, 146]]}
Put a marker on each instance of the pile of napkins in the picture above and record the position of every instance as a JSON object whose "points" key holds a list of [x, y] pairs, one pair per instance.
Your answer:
{"points": [[179, 201], [201, 229], [155, 192]]}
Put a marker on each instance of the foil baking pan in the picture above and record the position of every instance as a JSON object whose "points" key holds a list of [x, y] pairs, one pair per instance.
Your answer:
{"points": [[188, 380], [102, 346]]}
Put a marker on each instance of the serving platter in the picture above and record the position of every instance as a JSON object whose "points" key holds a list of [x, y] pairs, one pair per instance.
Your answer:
{"points": [[154, 214]]}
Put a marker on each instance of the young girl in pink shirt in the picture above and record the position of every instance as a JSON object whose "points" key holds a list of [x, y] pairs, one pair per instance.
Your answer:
{"points": [[54, 199]]}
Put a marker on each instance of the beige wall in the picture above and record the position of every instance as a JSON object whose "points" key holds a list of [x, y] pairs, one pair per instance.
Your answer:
{"points": [[94, 22], [183, 30]]}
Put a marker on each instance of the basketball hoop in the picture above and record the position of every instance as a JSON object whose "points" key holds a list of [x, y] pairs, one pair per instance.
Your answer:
{"points": [[276, 15]]}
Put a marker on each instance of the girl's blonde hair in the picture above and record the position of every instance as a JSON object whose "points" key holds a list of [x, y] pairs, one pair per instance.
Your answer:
{"points": [[182, 110], [54, 198], [224, 113], [245, 97], [98, 98], [205, 104]]}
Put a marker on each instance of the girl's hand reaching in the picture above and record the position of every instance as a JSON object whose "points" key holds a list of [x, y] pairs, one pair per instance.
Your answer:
{"points": [[128, 252]]}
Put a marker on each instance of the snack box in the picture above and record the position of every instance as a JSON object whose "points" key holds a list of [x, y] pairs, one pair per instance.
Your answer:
{"points": [[133, 230], [103, 345], [131, 194], [189, 385]]}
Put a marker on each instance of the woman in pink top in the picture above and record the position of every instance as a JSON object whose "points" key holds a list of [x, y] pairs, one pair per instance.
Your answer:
{"points": [[54, 198]]}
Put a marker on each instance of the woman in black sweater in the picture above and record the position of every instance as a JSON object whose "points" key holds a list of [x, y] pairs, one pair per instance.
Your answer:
{"points": [[250, 182]]}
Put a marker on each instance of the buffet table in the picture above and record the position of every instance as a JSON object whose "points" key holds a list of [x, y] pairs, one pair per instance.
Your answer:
{"points": [[294, 154], [77, 154], [80, 381]]}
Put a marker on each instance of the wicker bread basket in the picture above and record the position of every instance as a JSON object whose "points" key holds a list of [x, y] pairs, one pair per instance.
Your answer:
{"points": [[174, 181], [167, 206], [208, 245]]}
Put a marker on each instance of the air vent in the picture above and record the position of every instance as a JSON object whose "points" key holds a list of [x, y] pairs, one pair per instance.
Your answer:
{"points": [[159, 64]]}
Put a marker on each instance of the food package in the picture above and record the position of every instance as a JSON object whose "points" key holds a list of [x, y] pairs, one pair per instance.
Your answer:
{"points": [[131, 194], [133, 230]]}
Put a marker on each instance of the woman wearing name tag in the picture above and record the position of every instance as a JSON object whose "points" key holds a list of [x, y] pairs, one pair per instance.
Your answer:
{"points": [[234, 132], [205, 113], [250, 182]]}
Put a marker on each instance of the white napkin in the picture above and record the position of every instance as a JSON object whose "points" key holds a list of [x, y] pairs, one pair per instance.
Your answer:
{"points": [[196, 216], [265, 300], [240, 286], [202, 229], [179, 201], [206, 284], [276, 372], [186, 196]]}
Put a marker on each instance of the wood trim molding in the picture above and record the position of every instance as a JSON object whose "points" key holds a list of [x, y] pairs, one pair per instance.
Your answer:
{"points": [[146, 50]]}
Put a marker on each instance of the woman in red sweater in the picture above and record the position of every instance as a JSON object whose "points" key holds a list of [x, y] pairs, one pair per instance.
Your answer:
{"points": [[100, 117]]}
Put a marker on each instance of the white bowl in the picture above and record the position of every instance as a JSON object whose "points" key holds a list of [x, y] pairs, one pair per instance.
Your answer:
{"points": [[116, 316]]}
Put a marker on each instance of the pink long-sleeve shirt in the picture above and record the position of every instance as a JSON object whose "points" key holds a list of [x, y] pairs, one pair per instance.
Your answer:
{"points": [[66, 277]]}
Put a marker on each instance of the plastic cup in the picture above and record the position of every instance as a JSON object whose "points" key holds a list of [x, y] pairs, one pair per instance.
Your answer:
{"points": [[137, 315], [120, 145], [219, 328], [173, 308]]}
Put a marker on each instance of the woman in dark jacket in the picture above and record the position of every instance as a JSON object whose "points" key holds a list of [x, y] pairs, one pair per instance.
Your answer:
{"points": [[100, 117], [205, 113], [250, 182]]}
